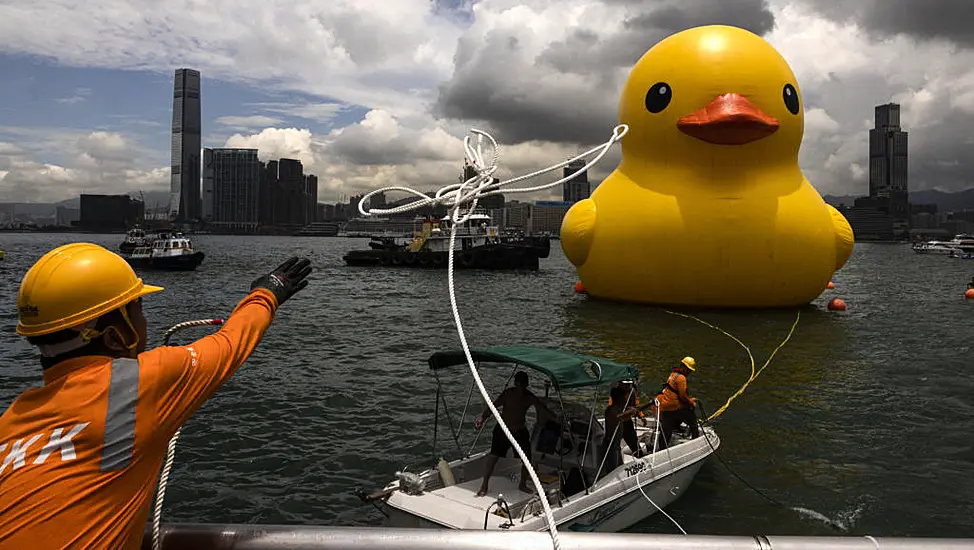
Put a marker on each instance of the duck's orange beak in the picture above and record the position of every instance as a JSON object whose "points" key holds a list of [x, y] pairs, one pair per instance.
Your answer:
{"points": [[729, 119]]}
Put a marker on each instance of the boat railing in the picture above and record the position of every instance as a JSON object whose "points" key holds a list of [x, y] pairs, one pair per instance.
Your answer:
{"points": [[467, 231], [280, 537]]}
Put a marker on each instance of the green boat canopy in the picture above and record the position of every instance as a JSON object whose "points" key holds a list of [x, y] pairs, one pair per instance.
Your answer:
{"points": [[566, 369]]}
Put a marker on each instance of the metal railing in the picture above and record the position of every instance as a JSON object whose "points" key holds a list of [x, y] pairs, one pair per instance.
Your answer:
{"points": [[296, 537]]}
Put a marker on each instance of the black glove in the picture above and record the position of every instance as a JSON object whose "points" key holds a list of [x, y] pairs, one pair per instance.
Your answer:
{"points": [[286, 280]]}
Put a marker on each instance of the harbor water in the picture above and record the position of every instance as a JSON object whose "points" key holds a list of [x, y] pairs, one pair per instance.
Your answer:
{"points": [[864, 417]]}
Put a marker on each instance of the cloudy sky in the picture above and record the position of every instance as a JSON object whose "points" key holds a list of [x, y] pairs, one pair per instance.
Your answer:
{"points": [[370, 93]]}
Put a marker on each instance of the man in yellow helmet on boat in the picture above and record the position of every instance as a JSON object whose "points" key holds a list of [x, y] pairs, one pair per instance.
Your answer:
{"points": [[82, 453], [675, 404]]}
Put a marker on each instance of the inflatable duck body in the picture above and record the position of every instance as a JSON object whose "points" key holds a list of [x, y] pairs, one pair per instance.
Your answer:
{"points": [[708, 206]]}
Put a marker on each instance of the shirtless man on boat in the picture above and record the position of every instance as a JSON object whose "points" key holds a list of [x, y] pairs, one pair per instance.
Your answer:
{"points": [[514, 403]]}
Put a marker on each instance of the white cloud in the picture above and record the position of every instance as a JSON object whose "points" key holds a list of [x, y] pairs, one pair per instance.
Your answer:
{"points": [[380, 151], [543, 75], [318, 112], [354, 52], [95, 162], [275, 143], [248, 122], [80, 94]]}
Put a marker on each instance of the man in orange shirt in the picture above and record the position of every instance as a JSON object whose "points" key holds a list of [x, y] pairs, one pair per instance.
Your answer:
{"points": [[675, 404], [81, 455]]}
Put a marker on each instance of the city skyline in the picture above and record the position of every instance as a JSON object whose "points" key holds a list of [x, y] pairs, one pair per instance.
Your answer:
{"points": [[94, 118]]}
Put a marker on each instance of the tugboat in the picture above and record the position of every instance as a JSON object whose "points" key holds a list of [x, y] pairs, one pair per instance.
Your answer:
{"points": [[169, 251], [478, 245], [134, 238]]}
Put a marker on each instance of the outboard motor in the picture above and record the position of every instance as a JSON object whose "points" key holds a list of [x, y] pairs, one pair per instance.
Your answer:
{"points": [[410, 483]]}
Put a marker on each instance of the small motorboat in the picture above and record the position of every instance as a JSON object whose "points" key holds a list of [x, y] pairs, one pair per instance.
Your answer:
{"points": [[564, 452], [169, 251], [935, 247], [134, 238]]}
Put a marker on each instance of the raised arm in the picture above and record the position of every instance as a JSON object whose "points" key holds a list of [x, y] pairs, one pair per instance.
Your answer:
{"points": [[182, 378]]}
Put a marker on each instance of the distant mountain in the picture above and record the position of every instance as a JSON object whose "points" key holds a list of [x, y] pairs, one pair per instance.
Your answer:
{"points": [[946, 202]]}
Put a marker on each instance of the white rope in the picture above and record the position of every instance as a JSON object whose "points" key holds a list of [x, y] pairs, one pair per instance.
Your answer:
{"points": [[656, 436], [161, 490], [455, 195], [171, 451], [482, 183]]}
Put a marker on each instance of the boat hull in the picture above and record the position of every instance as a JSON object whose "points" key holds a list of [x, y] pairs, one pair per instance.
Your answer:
{"points": [[128, 248], [942, 251], [490, 257], [616, 503], [611, 517], [184, 262], [633, 507]]}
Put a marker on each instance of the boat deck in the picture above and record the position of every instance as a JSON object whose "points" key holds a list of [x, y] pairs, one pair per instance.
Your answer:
{"points": [[460, 503], [466, 493]]}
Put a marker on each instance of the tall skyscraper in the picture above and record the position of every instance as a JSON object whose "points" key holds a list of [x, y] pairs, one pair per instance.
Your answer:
{"points": [[291, 194], [268, 184], [311, 190], [207, 199], [185, 204], [234, 175], [888, 161], [577, 188]]}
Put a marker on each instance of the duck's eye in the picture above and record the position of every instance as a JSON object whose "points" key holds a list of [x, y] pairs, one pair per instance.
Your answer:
{"points": [[790, 96], [658, 97]]}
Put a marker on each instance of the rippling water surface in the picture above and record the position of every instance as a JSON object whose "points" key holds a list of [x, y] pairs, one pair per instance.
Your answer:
{"points": [[864, 416]]}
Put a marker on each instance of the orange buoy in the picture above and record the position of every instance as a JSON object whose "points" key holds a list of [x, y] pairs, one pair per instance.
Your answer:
{"points": [[579, 287], [831, 285], [836, 304], [969, 294]]}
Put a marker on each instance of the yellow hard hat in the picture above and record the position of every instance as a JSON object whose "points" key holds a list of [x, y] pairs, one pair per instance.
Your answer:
{"points": [[689, 362], [74, 284]]}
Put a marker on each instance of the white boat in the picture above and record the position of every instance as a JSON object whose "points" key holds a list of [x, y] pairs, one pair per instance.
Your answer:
{"points": [[963, 242], [564, 454], [936, 247], [960, 244], [169, 251]]}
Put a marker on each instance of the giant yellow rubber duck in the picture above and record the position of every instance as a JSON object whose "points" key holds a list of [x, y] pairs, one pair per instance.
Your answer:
{"points": [[708, 206]]}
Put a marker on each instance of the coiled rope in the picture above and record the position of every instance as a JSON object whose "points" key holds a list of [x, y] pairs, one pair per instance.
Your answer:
{"points": [[754, 372], [469, 192], [482, 183], [171, 451]]}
